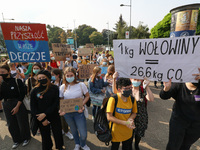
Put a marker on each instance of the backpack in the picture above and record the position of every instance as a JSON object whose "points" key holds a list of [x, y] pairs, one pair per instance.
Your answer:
{"points": [[101, 124]]}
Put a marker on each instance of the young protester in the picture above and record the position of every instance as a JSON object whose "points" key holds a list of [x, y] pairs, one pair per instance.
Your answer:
{"points": [[185, 121], [142, 93], [56, 77], [31, 82], [97, 90], [125, 113], [16, 71], [107, 54], [14, 109], [104, 67], [79, 61], [109, 78], [101, 57], [45, 106], [69, 61], [85, 61], [53, 63], [94, 60], [72, 89], [111, 60]]}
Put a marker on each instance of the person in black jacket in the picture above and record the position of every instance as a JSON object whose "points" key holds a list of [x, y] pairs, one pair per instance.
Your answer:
{"points": [[45, 106], [184, 127], [13, 91]]}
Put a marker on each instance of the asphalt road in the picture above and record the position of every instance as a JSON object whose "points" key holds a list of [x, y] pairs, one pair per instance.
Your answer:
{"points": [[156, 136]]}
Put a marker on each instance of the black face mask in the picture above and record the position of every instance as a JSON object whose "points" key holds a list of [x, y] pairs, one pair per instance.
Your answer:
{"points": [[4, 75], [42, 81], [127, 93], [195, 84]]}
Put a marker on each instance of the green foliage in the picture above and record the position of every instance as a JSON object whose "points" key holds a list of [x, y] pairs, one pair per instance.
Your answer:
{"points": [[120, 28], [162, 28], [96, 38], [83, 32], [56, 35], [141, 32], [198, 25]]}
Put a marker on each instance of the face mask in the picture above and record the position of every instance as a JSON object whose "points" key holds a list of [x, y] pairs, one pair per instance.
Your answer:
{"points": [[111, 61], [4, 75], [195, 84], [52, 58], [36, 71], [42, 81], [53, 78], [79, 61], [136, 83], [67, 59], [94, 59], [104, 63], [104, 55], [127, 93], [70, 80]]}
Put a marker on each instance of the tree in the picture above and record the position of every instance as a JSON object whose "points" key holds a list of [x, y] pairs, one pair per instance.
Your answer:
{"points": [[162, 28], [120, 28], [56, 35], [96, 38], [105, 33], [141, 32], [83, 32]]}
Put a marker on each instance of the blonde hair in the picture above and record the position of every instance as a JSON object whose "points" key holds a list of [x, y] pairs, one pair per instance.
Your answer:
{"points": [[95, 71], [110, 68]]}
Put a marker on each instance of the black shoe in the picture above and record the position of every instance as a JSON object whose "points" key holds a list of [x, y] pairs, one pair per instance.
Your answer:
{"points": [[137, 148], [1, 110], [15, 145], [155, 86]]}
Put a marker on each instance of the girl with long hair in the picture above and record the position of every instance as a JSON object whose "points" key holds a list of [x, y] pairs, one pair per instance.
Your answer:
{"points": [[45, 106], [96, 88], [72, 89]]}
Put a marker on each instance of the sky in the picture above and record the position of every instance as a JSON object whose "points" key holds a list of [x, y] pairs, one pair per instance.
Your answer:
{"points": [[100, 14]]}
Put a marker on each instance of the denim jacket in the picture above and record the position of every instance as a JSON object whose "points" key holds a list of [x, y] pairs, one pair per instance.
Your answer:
{"points": [[96, 86]]}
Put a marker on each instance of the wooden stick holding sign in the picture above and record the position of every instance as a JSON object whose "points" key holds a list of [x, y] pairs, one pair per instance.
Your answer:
{"points": [[71, 105], [60, 50]]}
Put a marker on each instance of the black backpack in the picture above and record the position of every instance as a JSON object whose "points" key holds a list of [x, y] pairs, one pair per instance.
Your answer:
{"points": [[101, 124]]}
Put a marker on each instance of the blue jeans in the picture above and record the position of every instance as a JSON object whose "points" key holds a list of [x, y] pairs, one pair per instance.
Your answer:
{"points": [[77, 123], [95, 110]]}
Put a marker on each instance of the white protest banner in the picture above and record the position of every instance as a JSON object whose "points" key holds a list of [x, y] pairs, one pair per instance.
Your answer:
{"points": [[84, 51], [71, 105], [60, 50], [158, 59]]}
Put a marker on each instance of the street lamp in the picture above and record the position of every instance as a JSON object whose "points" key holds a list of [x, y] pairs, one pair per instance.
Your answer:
{"points": [[6, 18], [108, 36], [130, 16]]}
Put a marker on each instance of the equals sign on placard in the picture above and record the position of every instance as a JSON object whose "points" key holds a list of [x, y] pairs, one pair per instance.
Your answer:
{"points": [[148, 61]]}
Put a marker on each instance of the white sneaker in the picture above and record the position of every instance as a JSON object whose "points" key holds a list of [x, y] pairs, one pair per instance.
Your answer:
{"points": [[77, 147], [69, 135], [85, 147]]}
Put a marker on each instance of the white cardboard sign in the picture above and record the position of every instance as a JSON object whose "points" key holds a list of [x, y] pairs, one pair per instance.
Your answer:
{"points": [[158, 59]]}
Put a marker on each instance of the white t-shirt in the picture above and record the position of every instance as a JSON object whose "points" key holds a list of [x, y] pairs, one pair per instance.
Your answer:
{"points": [[73, 91]]}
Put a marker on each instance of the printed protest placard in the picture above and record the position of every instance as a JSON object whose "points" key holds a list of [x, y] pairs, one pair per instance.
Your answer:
{"points": [[71, 105], [84, 51], [98, 49], [60, 50], [85, 71], [26, 42], [158, 59], [89, 45]]}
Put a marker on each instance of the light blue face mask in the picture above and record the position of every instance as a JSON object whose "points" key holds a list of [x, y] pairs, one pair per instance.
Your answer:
{"points": [[70, 80], [53, 78], [35, 71], [136, 83], [104, 63], [111, 61], [79, 61]]}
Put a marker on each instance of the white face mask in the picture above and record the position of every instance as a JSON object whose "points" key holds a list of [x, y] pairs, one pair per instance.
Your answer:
{"points": [[67, 59], [52, 58]]}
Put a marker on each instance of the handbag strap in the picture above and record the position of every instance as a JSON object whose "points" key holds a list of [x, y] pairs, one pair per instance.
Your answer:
{"points": [[81, 89], [17, 85]]}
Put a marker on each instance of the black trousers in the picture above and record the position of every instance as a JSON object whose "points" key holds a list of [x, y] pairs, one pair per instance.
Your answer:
{"points": [[18, 124], [182, 133], [126, 145], [55, 126]]}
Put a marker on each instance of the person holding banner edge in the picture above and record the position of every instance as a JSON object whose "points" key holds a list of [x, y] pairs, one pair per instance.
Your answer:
{"points": [[184, 126]]}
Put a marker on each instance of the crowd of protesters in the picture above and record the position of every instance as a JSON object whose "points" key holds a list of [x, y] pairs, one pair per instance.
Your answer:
{"points": [[47, 83]]}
